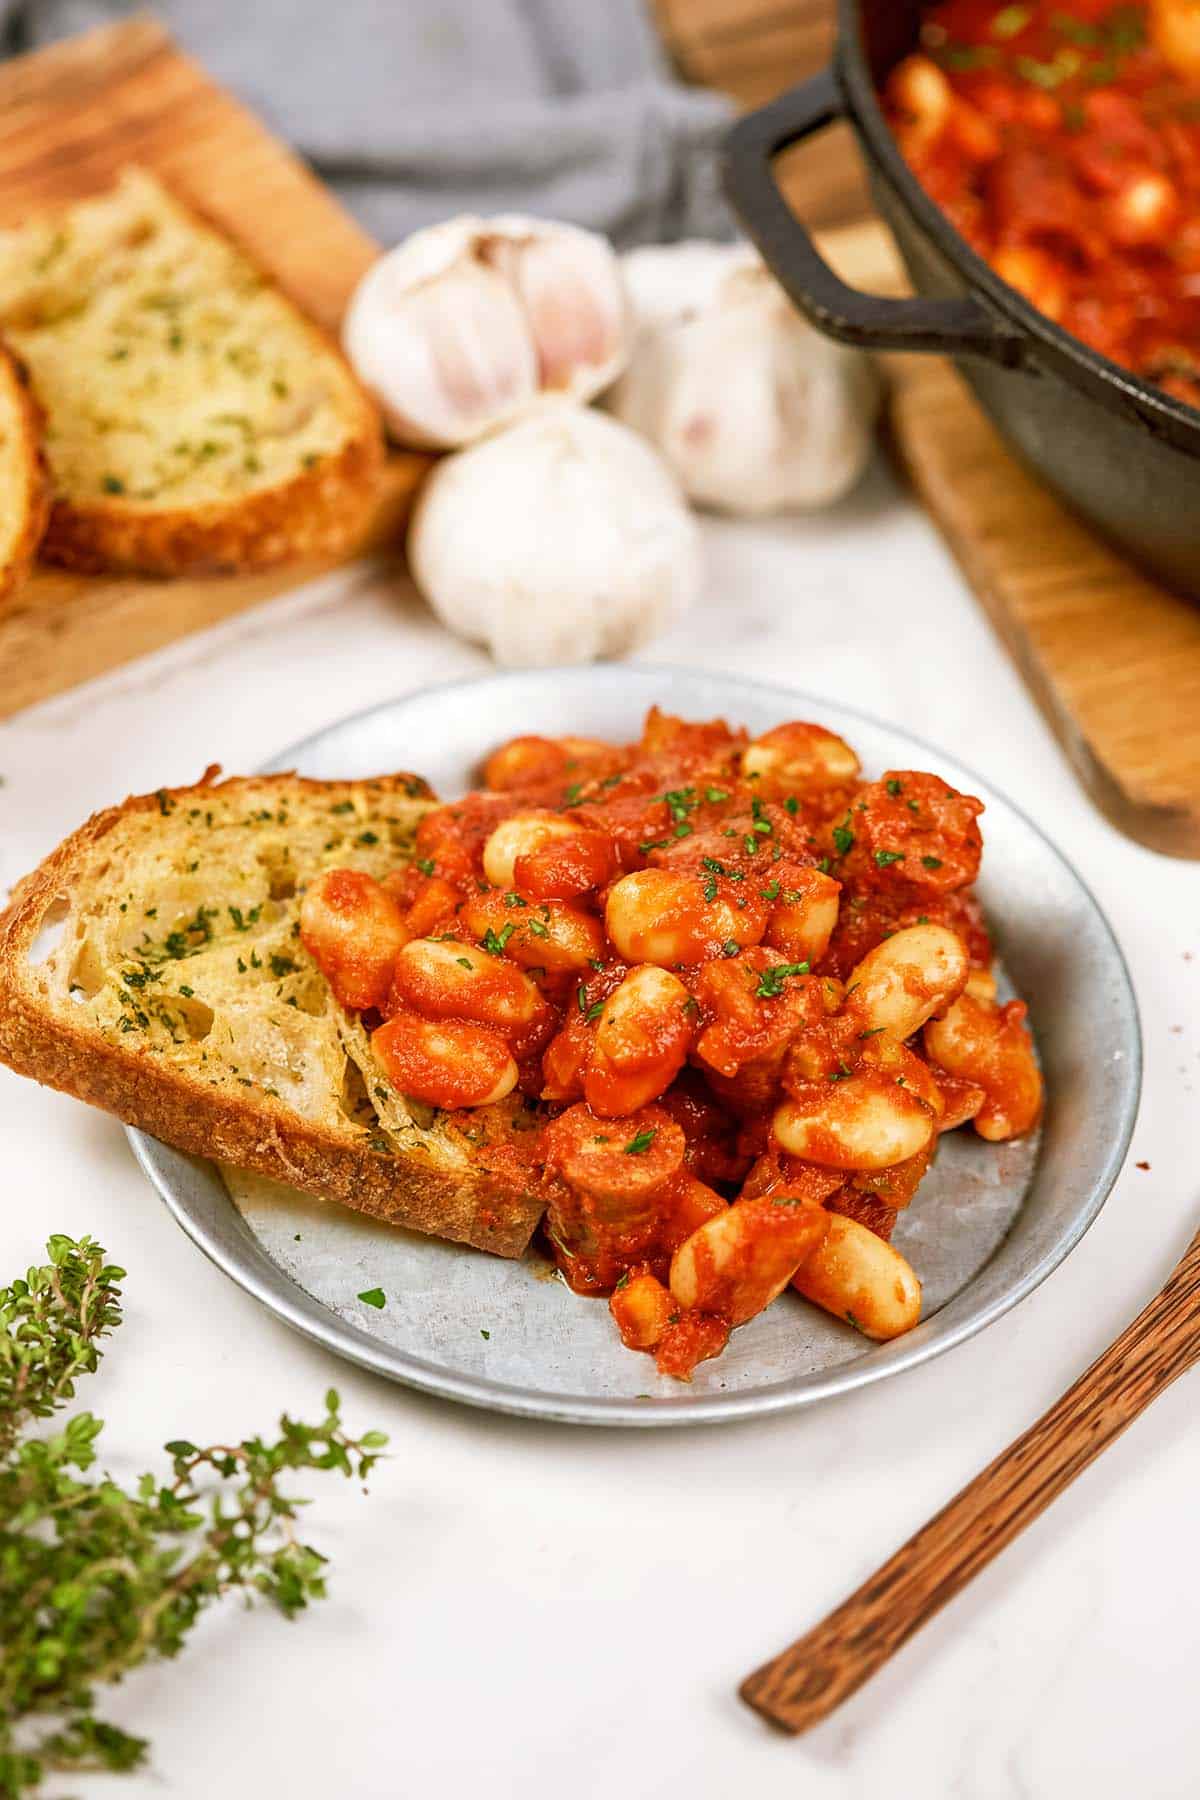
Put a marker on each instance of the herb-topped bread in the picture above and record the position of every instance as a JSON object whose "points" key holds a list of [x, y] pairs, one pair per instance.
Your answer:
{"points": [[153, 966], [195, 420], [24, 493]]}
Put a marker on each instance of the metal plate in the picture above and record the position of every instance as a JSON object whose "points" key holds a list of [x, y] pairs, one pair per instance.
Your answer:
{"points": [[989, 1223]]}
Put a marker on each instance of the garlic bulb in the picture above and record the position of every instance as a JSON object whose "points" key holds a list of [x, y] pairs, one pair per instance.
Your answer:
{"points": [[754, 410], [469, 324], [560, 539]]}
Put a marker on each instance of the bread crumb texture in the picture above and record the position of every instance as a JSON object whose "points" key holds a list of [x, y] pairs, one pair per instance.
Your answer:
{"points": [[182, 392], [182, 943]]}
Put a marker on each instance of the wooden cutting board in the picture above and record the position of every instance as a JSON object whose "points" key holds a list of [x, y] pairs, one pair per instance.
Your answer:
{"points": [[71, 118]]}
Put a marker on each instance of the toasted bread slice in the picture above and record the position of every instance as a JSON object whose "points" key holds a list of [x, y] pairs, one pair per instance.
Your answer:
{"points": [[153, 966], [24, 490], [195, 420]]}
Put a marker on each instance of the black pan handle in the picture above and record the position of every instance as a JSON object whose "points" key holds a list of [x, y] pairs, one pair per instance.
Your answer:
{"points": [[961, 327]]}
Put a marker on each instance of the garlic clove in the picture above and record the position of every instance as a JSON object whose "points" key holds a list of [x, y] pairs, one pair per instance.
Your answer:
{"points": [[447, 358], [473, 323], [571, 289]]}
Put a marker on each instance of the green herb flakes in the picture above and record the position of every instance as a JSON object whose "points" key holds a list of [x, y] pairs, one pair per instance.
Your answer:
{"points": [[770, 984]]}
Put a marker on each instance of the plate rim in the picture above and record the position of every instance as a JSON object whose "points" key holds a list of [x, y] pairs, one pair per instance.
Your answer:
{"points": [[258, 1276]]}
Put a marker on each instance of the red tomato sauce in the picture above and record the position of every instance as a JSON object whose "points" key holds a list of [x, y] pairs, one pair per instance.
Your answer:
{"points": [[631, 1065], [1062, 139]]}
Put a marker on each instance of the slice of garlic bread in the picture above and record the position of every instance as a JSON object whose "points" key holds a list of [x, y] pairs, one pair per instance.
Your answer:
{"points": [[24, 490], [195, 420], [153, 966]]}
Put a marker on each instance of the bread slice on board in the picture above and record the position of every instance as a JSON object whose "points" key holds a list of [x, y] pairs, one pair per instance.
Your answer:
{"points": [[24, 490], [153, 966], [195, 420]]}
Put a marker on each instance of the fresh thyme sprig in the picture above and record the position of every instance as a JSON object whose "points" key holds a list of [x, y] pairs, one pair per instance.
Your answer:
{"points": [[95, 1579]]}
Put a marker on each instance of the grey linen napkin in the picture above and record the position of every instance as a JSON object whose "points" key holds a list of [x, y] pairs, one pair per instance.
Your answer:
{"points": [[417, 109]]}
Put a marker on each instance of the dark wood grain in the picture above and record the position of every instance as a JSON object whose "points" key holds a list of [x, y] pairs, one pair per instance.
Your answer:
{"points": [[805, 1683]]}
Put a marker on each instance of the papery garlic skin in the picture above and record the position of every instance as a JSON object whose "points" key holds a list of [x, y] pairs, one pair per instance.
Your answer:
{"points": [[470, 324], [754, 410], [558, 540]]}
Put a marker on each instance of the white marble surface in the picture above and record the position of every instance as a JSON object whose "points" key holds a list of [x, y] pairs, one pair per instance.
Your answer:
{"points": [[555, 1612]]}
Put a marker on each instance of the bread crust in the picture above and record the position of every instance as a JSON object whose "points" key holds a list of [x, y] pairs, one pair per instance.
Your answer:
{"points": [[260, 1134], [324, 511], [36, 511]]}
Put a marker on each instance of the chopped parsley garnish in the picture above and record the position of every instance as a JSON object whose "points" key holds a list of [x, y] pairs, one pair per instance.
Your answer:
{"points": [[367, 837], [537, 929], [1010, 21], [495, 943], [624, 1282], [681, 801], [750, 844], [843, 839], [425, 864], [637, 1146], [511, 900], [280, 966], [885, 858], [571, 797], [653, 844], [931, 862], [770, 984], [771, 891], [715, 795], [374, 1297], [967, 56], [730, 947], [894, 788], [464, 962], [684, 830], [792, 805], [483, 1333]]}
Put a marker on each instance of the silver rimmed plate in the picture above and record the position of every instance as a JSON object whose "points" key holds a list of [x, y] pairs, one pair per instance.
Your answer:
{"points": [[990, 1222]]}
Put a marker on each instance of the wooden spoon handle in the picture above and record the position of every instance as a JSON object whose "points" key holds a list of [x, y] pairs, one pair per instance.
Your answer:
{"points": [[806, 1682]]}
